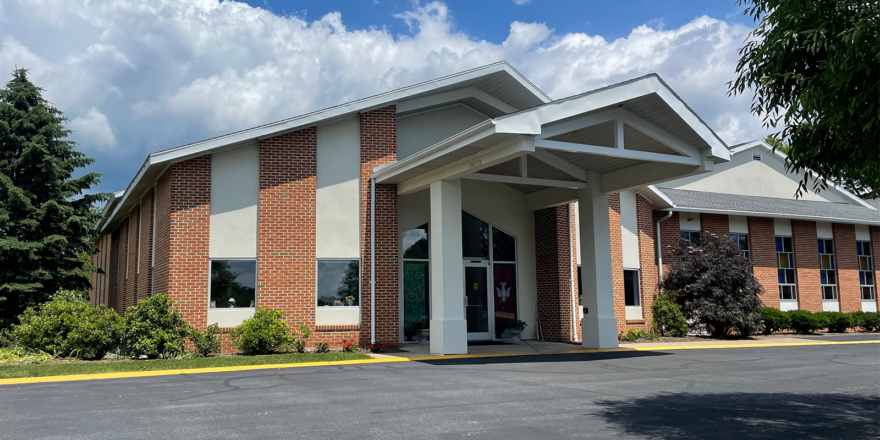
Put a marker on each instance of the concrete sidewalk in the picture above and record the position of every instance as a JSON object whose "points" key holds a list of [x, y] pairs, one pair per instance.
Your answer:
{"points": [[532, 347]]}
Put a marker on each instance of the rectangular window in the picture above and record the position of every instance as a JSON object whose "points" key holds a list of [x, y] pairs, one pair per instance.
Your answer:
{"points": [[233, 284], [631, 291], [785, 268], [691, 236], [339, 283], [742, 242], [866, 270], [827, 272]]}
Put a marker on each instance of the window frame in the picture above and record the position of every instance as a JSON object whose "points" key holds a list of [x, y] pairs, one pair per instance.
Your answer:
{"points": [[828, 273], [360, 282], [402, 281], [256, 282], [690, 236], [748, 252], [869, 259], [638, 287], [792, 267]]}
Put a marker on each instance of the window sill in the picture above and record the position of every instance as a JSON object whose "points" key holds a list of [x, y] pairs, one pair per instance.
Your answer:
{"points": [[337, 327], [635, 321]]}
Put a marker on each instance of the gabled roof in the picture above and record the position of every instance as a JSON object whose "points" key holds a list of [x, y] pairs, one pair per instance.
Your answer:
{"points": [[739, 148], [733, 204], [500, 78]]}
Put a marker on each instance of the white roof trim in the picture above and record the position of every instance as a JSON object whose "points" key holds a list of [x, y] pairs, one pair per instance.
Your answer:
{"points": [[769, 148], [530, 121], [772, 215], [661, 194]]}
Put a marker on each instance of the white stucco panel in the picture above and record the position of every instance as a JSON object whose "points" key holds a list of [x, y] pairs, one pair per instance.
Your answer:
{"points": [[419, 131], [337, 315], [739, 224], [229, 317], [863, 233], [689, 221], [629, 230], [782, 227], [824, 230], [338, 194], [235, 180]]}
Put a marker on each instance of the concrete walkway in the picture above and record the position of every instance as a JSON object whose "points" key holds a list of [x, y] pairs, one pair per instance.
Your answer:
{"points": [[531, 347]]}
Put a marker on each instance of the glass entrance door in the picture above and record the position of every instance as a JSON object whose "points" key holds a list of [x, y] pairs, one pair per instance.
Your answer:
{"points": [[477, 305]]}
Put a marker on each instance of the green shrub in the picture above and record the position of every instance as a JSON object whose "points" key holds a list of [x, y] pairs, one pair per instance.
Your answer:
{"points": [[68, 326], [774, 320], [322, 347], [206, 342], [266, 332], [838, 322], [668, 319], [870, 321], [300, 338], [633, 335], [803, 321], [715, 286], [154, 327]]}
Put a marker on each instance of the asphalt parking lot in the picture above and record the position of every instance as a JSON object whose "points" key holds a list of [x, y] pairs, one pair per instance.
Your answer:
{"points": [[781, 392]]}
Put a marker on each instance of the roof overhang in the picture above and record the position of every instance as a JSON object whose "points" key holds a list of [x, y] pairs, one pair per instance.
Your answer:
{"points": [[680, 144], [464, 87]]}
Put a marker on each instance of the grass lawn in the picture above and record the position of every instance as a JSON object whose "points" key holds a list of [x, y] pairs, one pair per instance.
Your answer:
{"points": [[92, 367]]}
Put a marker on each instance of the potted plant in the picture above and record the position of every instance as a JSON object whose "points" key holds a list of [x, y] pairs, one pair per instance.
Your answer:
{"points": [[514, 328], [423, 329]]}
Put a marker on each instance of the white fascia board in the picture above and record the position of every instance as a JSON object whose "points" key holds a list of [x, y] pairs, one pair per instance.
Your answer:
{"points": [[530, 121], [475, 133], [772, 215], [618, 152], [659, 193], [769, 148], [455, 95]]}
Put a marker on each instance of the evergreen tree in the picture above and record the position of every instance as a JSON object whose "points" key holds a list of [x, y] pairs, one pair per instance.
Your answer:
{"points": [[46, 217]]}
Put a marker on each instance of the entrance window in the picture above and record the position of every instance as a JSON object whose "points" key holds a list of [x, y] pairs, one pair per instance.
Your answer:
{"points": [[416, 301], [827, 272], [475, 237], [866, 270]]}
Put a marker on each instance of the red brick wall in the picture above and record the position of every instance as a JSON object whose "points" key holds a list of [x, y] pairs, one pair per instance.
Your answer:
{"points": [[101, 278], [190, 220], [146, 242], [718, 224], [379, 147], [553, 274], [669, 236], [286, 233], [123, 290], [131, 283], [849, 291], [762, 240], [162, 240], [115, 271], [617, 262], [574, 259], [806, 260], [647, 250]]}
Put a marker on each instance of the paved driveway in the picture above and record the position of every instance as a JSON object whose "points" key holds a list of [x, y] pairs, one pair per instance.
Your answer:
{"points": [[787, 392]]}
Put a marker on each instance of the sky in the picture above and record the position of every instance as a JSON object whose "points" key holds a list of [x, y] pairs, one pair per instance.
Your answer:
{"points": [[139, 76]]}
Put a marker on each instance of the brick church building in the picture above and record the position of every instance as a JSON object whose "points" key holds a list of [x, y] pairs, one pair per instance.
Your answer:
{"points": [[465, 202]]}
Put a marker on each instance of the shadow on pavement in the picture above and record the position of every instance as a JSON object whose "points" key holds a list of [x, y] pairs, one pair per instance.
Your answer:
{"points": [[543, 358], [746, 415]]}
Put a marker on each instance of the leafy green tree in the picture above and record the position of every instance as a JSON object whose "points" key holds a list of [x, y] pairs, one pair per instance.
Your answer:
{"points": [[46, 216], [814, 66]]}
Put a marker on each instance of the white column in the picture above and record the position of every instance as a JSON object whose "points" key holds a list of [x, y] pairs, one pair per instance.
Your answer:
{"points": [[448, 326], [599, 327]]}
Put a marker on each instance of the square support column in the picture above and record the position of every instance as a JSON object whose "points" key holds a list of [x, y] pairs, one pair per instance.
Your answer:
{"points": [[448, 326], [599, 327]]}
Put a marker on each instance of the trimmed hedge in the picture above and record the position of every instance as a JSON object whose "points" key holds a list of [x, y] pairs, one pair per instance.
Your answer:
{"points": [[803, 321]]}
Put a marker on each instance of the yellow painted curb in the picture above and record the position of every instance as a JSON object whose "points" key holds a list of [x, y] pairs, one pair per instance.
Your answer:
{"points": [[650, 347], [647, 347]]}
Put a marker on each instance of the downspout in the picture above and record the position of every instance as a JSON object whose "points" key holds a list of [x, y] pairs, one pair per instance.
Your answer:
{"points": [[372, 261], [660, 247], [571, 263]]}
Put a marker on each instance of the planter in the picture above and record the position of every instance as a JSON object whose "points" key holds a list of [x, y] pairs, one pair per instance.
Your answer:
{"points": [[514, 334], [425, 336]]}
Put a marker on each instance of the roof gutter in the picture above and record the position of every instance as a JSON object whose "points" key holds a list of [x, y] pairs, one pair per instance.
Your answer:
{"points": [[774, 215]]}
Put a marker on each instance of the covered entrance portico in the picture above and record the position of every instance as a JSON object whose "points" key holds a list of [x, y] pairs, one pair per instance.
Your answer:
{"points": [[504, 170]]}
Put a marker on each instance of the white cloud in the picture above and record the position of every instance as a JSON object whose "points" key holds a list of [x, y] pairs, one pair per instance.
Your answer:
{"points": [[168, 72], [522, 2], [92, 131]]}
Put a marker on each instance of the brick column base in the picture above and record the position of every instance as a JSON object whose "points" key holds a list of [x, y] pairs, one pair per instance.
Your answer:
{"points": [[552, 259]]}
